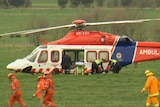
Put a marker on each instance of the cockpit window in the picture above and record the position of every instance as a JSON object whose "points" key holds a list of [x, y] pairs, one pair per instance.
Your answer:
{"points": [[43, 57], [32, 56]]}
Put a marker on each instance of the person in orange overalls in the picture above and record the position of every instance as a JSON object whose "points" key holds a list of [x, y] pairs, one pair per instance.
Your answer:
{"points": [[152, 85], [16, 91], [40, 87], [49, 90]]}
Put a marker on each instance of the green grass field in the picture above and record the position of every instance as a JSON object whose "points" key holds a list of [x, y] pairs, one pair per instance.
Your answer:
{"points": [[110, 90]]}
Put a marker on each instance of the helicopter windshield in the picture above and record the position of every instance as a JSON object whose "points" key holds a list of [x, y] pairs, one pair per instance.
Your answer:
{"points": [[32, 56]]}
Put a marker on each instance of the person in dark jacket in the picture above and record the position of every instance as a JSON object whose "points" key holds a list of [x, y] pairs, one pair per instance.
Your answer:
{"points": [[66, 63]]}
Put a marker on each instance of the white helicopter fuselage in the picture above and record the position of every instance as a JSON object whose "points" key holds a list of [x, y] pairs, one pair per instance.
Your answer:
{"points": [[48, 57]]}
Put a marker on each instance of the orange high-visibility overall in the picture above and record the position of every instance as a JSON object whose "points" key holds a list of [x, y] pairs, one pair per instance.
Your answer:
{"points": [[40, 88], [49, 92], [16, 93], [152, 85]]}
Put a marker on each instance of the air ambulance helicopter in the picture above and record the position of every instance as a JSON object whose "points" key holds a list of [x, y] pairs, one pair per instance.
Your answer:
{"points": [[85, 46]]}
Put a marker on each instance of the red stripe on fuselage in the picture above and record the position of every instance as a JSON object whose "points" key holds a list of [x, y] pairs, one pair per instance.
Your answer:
{"points": [[33, 70], [40, 70]]}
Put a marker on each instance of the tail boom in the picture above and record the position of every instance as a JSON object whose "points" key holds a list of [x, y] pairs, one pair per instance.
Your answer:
{"points": [[147, 51]]}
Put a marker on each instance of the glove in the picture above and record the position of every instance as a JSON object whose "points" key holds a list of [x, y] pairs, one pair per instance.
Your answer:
{"points": [[143, 90], [33, 95]]}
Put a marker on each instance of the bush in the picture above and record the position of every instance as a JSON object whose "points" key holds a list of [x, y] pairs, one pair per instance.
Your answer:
{"points": [[62, 3], [17, 3], [28, 3]]}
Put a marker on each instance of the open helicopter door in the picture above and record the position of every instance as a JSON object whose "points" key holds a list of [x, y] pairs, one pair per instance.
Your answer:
{"points": [[91, 54], [76, 53]]}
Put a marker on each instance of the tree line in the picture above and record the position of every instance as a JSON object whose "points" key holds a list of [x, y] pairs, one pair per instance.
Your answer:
{"points": [[15, 3], [87, 3], [109, 3]]}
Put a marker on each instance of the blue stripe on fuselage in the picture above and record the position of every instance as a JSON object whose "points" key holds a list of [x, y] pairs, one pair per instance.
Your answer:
{"points": [[124, 51]]}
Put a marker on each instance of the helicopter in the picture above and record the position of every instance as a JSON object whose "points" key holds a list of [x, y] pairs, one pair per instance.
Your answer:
{"points": [[85, 46]]}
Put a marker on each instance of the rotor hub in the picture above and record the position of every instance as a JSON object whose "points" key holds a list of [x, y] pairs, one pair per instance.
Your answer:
{"points": [[78, 22]]}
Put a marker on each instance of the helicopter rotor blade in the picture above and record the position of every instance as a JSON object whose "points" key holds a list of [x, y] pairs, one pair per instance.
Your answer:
{"points": [[25, 32], [47, 29], [12, 33], [121, 22], [77, 25]]}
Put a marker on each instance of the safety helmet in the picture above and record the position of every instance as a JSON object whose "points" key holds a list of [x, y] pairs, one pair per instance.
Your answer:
{"points": [[49, 74], [10, 74], [148, 73], [46, 73], [39, 77]]}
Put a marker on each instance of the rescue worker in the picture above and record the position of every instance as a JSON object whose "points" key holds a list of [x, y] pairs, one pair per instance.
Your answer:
{"points": [[49, 90], [152, 86], [40, 87], [95, 66], [16, 94], [114, 66]]}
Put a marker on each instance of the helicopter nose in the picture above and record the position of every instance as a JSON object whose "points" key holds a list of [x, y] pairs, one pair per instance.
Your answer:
{"points": [[12, 67], [17, 65]]}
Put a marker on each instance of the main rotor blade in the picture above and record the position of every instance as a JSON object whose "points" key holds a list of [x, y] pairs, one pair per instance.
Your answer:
{"points": [[25, 32], [12, 33], [121, 22], [47, 29]]}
